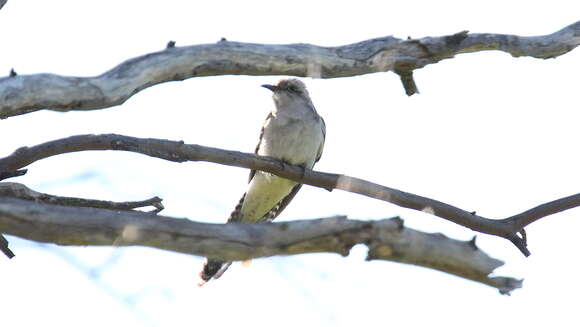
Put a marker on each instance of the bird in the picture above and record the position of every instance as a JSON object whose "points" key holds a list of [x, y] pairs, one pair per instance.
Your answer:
{"points": [[294, 133]]}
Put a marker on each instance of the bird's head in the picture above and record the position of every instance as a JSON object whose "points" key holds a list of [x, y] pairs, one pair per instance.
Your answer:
{"points": [[290, 89]]}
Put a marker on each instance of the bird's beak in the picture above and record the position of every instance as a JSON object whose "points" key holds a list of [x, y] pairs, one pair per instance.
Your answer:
{"points": [[272, 88]]}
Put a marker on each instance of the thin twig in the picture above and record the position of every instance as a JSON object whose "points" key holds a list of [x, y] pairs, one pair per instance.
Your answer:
{"points": [[9, 174], [22, 192], [4, 247]]}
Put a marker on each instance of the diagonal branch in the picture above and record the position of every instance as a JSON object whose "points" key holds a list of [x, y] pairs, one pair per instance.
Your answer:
{"points": [[386, 239], [4, 247], [508, 228], [20, 94]]}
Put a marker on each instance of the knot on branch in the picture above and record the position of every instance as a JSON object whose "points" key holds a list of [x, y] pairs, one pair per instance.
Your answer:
{"points": [[4, 247], [455, 39], [521, 242]]}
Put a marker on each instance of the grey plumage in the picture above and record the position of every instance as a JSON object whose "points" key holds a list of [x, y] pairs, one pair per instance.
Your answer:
{"points": [[293, 132]]}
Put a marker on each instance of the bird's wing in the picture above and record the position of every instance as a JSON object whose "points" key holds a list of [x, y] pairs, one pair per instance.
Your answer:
{"points": [[235, 215], [280, 206], [321, 147], [270, 116]]}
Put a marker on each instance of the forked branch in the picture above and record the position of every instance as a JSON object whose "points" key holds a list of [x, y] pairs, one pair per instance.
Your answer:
{"points": [[386, 239], [510, 228]]}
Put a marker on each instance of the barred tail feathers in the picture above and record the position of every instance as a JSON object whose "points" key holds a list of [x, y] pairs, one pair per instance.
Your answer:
{"points": [[213, 269]]}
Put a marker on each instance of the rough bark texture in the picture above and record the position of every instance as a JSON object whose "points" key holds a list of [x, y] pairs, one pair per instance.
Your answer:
{"points": [[386, 239], [20, 94], [510, 228], [22, 192]]}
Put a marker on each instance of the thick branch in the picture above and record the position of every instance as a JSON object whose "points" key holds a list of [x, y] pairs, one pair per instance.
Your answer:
{"points": [[21, 94], [387, 239], [179, 152]]}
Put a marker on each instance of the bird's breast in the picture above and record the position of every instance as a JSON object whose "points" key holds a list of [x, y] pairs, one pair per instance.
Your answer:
{"points": [[295, 141]]}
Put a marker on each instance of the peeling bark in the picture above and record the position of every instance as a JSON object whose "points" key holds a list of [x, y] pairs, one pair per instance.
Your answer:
{"points": [[21, 94]]}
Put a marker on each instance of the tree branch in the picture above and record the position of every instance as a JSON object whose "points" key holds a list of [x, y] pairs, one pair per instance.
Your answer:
{"points": [[386, 239], [22, 192], [508, 228], [4, 247], [10, 174], [21, 94]]}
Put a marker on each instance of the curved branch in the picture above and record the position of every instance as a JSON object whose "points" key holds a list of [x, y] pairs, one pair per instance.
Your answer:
{"points": [[21, 94], [507, 228], [387, 239]]}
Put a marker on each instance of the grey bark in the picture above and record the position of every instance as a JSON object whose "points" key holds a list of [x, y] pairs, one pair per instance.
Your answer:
{"points": [[22, 192], [386, 239], [21, 94], [511, 228]]}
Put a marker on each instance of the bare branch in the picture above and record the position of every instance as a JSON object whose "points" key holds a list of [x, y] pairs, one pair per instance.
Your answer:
{"points": [[9, 174], [387, 239], [507, 228], [4, 247], [21, 94], [2, 3], [22, 192]]}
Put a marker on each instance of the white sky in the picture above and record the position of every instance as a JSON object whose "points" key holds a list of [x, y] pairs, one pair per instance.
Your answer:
{"points": [[488, 132]]}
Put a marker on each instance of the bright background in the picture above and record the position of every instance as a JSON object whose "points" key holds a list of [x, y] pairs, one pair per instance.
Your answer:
{"points": [[488, 132]]}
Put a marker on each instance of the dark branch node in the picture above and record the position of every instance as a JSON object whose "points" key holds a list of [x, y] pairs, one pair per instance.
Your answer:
{"points": [[400, 223], [472, 242], [8, 174], [524, 237], [4, 247], [12, 73], [408, 81], [455, 39], [153, 202], [520, 243], [510, 285], [156, 203], [170, 44]]}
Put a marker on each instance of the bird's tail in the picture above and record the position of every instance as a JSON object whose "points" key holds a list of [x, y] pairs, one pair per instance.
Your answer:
{"points": [[213, 269]]}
